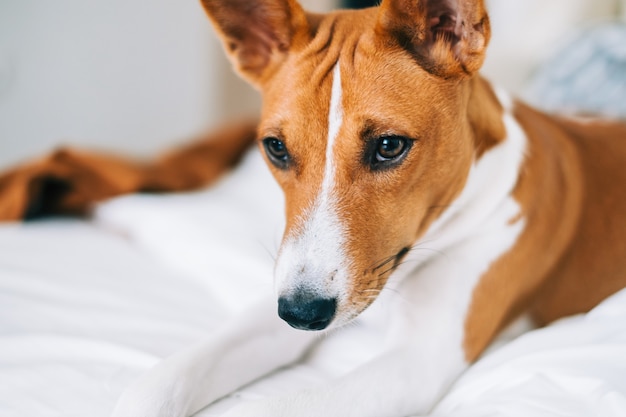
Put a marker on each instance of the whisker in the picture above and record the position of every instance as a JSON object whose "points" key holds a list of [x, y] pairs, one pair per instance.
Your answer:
{"points": [[388, 270], [423, 242], [382, 263], [269, 252], [437, 251], [390, 259]]}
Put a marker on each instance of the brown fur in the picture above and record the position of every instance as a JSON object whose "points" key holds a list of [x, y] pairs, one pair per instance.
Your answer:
{"points": [[70, 181], [409, 69], [594, 264], [572, 252], [418, 190], [404, 73]]}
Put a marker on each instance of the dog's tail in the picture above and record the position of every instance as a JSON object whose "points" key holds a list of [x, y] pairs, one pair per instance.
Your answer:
{"points": [[70, 181]]}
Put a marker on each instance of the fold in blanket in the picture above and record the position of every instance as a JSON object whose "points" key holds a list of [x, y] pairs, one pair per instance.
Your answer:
{"points": [[70, 181]]}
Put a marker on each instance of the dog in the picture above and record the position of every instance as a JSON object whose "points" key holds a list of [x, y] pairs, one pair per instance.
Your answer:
{"points": [[385, 139]]}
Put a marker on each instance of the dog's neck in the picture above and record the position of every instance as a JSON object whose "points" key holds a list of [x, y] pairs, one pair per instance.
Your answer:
{"points": [[548, 187]]}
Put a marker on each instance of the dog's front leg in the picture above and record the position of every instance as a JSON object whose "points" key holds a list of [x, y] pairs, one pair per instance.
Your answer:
{"points": [[424, 356], [245, 348], [426, 345], [398, 384]]}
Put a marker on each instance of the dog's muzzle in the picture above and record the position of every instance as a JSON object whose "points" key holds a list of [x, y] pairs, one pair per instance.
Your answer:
{"points": [[307, 312]]}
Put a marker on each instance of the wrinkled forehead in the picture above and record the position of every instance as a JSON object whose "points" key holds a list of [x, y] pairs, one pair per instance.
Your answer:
{"points": [[300, 90], [298, 98], [382, 91]]}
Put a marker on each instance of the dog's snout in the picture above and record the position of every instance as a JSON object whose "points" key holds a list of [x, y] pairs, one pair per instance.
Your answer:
{"points": [[306, 312]]}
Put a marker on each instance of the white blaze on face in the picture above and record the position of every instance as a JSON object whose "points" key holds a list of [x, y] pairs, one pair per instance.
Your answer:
{"points": [[313, 257], [335, 118]]}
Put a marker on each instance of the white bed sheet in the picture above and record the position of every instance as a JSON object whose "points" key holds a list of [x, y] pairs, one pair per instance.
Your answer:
{"points": [[86, 307]]}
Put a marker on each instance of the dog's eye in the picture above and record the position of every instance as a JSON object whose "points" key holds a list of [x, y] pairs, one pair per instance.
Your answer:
{"points": [[387, 151], [390, 148], [276, 152]]}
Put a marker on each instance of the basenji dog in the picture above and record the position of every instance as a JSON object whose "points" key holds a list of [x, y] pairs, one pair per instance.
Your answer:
{"points": [[386, 140]]}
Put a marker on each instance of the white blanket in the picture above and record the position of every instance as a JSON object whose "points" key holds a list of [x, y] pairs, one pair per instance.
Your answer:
{"points": [[86, 307]]}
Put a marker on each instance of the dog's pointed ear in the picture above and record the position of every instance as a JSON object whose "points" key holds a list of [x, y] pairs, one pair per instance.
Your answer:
{"points": [[257, 34], [447, 37]]}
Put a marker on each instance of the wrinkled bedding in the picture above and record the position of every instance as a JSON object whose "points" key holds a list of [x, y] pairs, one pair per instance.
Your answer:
{"points": [[87, 306]]}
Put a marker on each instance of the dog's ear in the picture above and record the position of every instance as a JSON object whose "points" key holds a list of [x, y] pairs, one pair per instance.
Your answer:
{"points": [[447, 37], [257, 34]]}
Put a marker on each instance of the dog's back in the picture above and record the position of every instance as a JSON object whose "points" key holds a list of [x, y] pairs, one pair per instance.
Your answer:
{"points": [[594, 265]]}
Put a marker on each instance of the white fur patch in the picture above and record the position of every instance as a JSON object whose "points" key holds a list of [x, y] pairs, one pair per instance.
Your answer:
{"points": [[438, 277], [335, 119], [489, 185], [315, 259]]}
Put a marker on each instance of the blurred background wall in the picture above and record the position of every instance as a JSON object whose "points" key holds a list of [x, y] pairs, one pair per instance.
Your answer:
{"points": [[131, 76], [138, 76]]}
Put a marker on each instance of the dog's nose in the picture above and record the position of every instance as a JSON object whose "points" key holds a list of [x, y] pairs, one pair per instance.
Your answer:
{"points": [[306, 312]]}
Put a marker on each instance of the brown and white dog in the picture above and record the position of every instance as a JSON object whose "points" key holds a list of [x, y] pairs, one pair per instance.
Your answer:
{"points": [[385, 140]]}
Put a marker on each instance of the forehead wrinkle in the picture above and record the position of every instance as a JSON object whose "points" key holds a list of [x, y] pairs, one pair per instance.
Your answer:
{"points": [[322, 41], [331, 40]]}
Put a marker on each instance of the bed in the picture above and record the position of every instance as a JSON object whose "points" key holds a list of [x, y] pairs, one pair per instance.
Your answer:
{"points": [[86, 306]]}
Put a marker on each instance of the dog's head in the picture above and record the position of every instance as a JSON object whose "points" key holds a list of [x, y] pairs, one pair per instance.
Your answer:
{"points": [[365, 126]]}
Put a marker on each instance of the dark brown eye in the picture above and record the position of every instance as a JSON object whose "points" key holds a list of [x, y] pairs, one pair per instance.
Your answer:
{"points": [[387, 151], [276, 152], [390, 148]]}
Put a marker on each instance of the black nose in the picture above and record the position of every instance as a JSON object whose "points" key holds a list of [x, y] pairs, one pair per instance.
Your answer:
{"points": [[306, 312]]}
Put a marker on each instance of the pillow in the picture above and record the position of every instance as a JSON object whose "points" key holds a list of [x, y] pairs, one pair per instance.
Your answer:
{"points": [[587, 75]]}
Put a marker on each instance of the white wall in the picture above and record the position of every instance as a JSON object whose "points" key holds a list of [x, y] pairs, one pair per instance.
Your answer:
{"points": [[132, 76], [122, 74]]}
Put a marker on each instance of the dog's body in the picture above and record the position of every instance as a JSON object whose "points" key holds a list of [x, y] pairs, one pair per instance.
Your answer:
{"points": [[395, 155]]}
